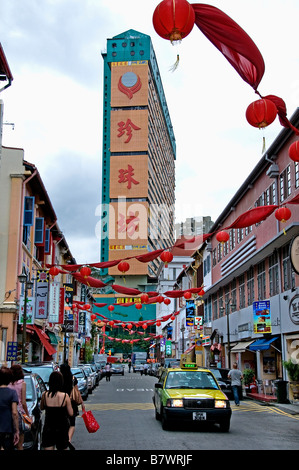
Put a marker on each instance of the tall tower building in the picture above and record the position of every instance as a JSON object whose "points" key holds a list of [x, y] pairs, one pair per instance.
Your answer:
{"points": [[138, 163]]}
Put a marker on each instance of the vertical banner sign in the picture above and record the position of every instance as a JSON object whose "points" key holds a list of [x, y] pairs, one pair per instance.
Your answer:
{"points": [[76, 318], [82, 321], [42, 290], [12, 351], [54, 302], [68, 307], [29, 310], [61, 305], [190, 309], [262, 317]]}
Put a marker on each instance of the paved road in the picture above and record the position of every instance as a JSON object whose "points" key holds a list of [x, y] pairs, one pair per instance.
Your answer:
{"points": [[124, 410]]}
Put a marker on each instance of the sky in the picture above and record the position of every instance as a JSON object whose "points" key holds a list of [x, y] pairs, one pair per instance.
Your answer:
{"points": [[54, 48]]}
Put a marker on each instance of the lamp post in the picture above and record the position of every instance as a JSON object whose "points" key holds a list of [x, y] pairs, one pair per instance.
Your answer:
{"points": [[24, 278], [228, 305], [183, 337]]}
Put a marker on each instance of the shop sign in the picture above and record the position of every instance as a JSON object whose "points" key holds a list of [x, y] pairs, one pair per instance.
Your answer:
{"points": [[294, 310], [262, 317]]}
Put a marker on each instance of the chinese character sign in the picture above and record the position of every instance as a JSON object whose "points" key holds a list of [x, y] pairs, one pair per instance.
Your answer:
{"points": [[42, 287], [262, 317], [12, 351], [126, 176]]}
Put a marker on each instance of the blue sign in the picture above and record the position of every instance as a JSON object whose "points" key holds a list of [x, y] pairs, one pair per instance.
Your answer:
{"points": [[12, 350]]}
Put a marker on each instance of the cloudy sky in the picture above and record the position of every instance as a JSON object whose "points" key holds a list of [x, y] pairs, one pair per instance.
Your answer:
{"points": [[54, 51]]}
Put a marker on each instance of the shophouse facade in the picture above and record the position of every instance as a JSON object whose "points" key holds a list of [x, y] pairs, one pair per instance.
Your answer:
{"points": [[30, 238], [252, 289]]}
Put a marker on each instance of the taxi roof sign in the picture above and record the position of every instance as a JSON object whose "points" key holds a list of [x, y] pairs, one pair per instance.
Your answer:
{"points": [[188, 365]]}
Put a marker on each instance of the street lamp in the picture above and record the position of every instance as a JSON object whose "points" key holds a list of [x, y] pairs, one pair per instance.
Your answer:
{"points": [[24, 278], [228, 304]]}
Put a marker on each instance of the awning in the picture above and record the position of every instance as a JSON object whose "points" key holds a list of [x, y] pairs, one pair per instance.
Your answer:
{"points": [[262, 344], [44, 340], [189, 349], [241, 347], [52, 337]]}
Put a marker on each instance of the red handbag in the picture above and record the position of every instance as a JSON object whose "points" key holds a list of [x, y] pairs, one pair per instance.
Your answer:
{"points": [[90, 422]]}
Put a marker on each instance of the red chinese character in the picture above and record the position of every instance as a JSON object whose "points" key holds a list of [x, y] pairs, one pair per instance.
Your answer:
{"points": [[126, 176], [127, 127]]}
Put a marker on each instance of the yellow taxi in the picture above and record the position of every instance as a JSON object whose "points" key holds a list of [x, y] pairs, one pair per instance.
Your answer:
{"points": [[190, 393]]}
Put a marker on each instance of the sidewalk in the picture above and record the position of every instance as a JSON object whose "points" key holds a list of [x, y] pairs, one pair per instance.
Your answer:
{"points": [[292, 408]]}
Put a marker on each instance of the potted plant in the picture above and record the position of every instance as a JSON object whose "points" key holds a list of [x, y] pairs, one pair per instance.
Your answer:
{"points": [[248, 376], [293, 373]]}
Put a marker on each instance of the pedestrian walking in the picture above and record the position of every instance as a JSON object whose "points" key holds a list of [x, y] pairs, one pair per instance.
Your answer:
{"points": [[18, 384], [236, 380], [58, 409], [130, 365], [145, 368], [70, 386], [9, 420], [108, 372]]}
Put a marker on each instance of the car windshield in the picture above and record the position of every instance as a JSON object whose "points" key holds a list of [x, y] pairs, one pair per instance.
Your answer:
{"points": [[187, 379], [78, 373], [217, 374], [44, 372]]}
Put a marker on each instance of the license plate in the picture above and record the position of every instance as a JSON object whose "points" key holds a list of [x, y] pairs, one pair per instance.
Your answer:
{"points": [[199, 416]]}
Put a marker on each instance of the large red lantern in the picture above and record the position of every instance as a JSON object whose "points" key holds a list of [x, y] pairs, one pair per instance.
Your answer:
{"points": [[138, 306], [129, 326], [173, 19], [54, 271], [160, 299], [86, 307], [123, 267], [187, 295], [158, 323], [144, 298], [294, 151], [93, 317], [167, 301], [166, 257], [222, 236], [110, 308], [283, 214], [261, 113], [85, 271]]}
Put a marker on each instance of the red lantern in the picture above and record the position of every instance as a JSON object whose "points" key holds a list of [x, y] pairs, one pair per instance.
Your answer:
{"points": [[123, 267], [222, 236], [158, 323], [187, 295], [160, 299], [86, 307], [294, 151], [54, 271], [144, 326], [172, 317], [144, 298], [93, 317], [173, 19], [111, 323], [85, 271], [261, 113], [138, 306], [166, 257], [283, 214], [110, 308], [129, 326], [167, 301]]}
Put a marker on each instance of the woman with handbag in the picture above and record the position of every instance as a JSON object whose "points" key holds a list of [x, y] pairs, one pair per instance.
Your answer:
{"points": [[18, 384], [70, 386]]}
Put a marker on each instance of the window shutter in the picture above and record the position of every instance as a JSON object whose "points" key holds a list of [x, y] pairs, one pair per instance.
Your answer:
{"points": [[47, 241], [28, 211], [39, 231]]}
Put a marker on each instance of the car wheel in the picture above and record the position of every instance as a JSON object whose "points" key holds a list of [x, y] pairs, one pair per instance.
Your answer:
{"points": [[225, 425], [164, 420]]}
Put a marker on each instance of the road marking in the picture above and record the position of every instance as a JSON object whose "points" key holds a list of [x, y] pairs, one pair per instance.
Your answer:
{"points": [[119, 406], [259, 408]]}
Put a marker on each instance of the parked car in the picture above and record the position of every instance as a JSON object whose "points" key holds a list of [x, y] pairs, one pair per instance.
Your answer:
{"points": [[43, 369], [90, 377], [81, 376], [153, 369], [101, 366], [117, 369], [96, 372], [35, 387], [224, 382]]}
